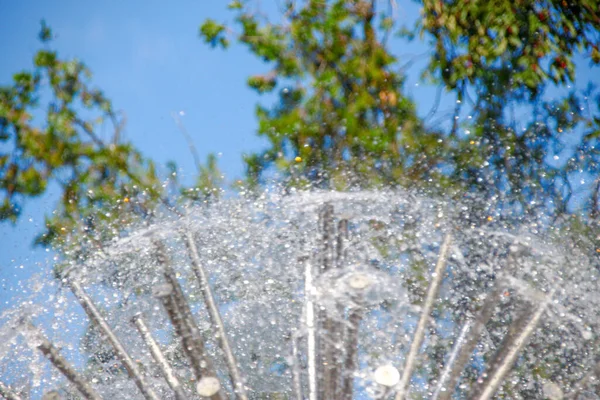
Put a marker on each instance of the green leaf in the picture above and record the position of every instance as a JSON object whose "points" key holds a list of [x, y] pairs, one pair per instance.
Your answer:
{"points": [[45, 34], [262, 83], [235, 5], [213, 33]]}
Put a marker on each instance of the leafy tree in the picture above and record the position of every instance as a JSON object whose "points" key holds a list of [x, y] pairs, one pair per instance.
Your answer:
{"points": [[527, 43], [504, 56], [94, 174], [209, 182], [343, 119], [49, 122]]}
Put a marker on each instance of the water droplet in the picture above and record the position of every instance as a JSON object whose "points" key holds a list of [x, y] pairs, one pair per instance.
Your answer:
{"points": [[386, 375], [208, 386]]}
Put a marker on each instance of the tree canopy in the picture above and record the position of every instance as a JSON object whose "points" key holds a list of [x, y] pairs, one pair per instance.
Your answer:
{"points": [[343, 118], [521, 132], [57, 141]]}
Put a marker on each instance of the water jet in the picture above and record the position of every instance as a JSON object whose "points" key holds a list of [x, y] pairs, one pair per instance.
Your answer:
{"points": [[316, 296]]}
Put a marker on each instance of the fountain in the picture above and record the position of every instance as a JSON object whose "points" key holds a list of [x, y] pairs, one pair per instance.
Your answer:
{"points": [[314, 296]]}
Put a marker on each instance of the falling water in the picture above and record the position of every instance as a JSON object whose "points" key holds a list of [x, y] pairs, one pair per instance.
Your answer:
{"points": [[383, 294]]}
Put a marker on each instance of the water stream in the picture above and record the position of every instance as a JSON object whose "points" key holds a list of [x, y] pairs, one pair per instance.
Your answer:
{"points": [[315, 295]]}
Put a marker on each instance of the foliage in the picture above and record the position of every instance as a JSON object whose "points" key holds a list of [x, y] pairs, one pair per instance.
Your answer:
{"points": [[525, 42], [505, 60], [93, 174], [343, 119], [50, 117], [209, 182]]}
